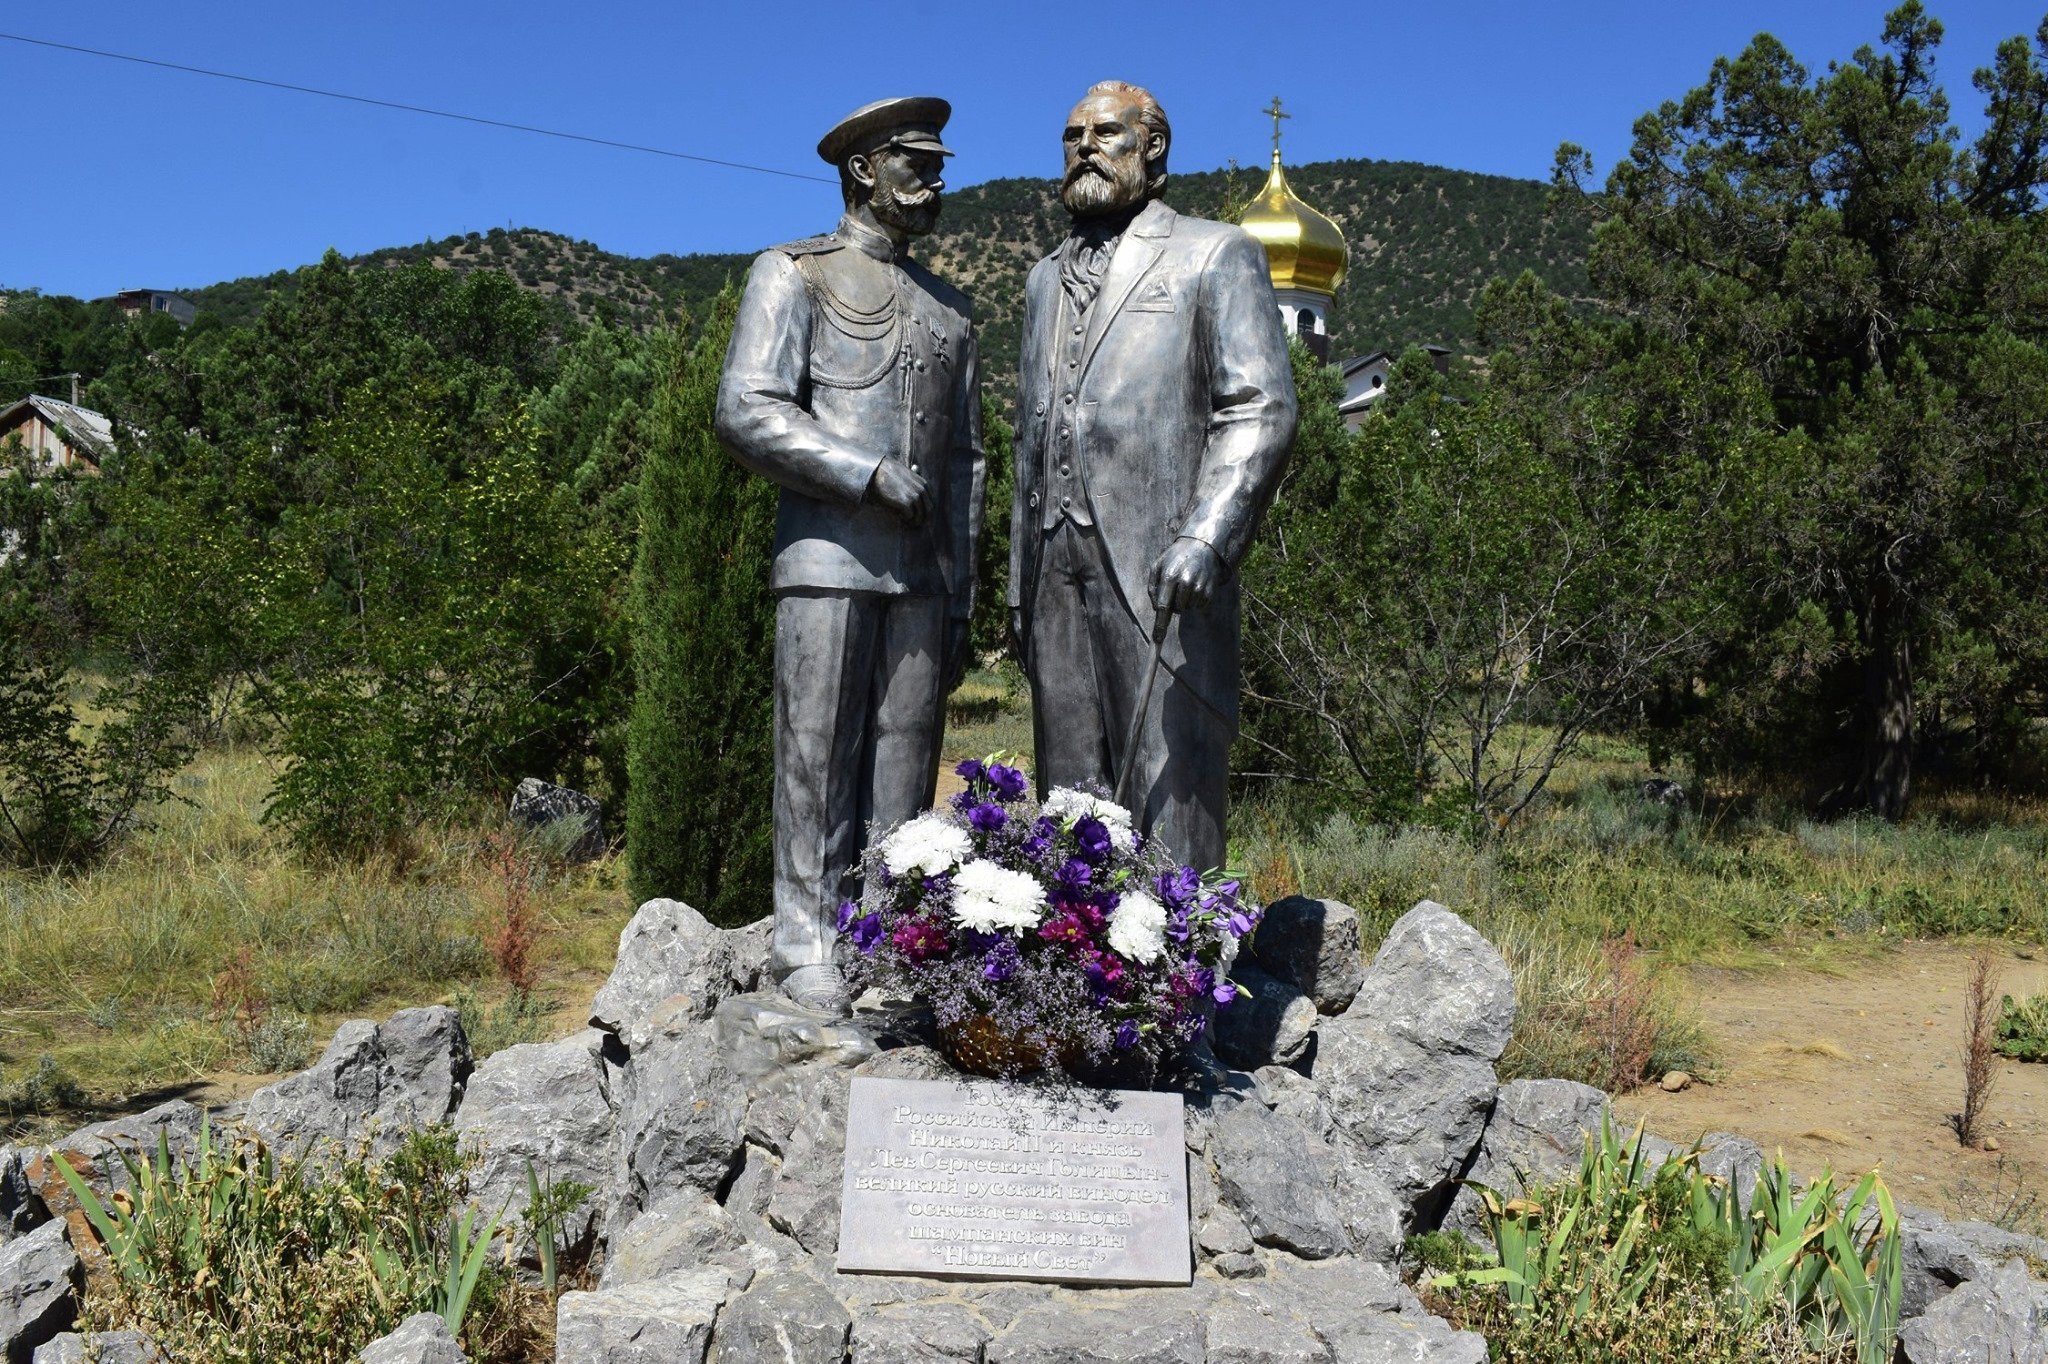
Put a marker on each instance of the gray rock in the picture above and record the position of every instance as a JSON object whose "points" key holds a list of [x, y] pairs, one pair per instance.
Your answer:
{"points": [[1993, 1320], [1662, 791], [1407, 1070], [671, 950], [21, 1208], [422, 1338], [918, 1333], [1128, 1328], [686, 1230], [1270, 1023], [95, 1154], [1315, 946], [679, 1112], [1735, 1159], [784, 1318], [541, 1104], [1240, 1264], [536, 804], [40, 1278], [1330, 1293], [378, 1081], [1223, 1232], [1375, 1217], [1938, 1255], [101, 1347], [1437, 983], [1280, 1178], [665, 1321], [1419, 1339], [1536, 1133], [1240, 1330]]}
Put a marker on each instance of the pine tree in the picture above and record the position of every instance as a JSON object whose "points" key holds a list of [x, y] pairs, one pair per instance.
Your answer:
{"points": [[701, 749]]}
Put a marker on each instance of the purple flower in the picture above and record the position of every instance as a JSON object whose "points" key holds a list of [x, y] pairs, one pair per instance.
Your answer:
{"points": [[1073, 878], [1066, 926], [1224, 992], [1009, 782], [1239, 923], [1178, 889], [1196, 980], [867, 932], [1093, 837], [919, 939], [988, 817], [1126, 1035], [1105, 972], [971, 770], [847, 909], [1001, 961]]}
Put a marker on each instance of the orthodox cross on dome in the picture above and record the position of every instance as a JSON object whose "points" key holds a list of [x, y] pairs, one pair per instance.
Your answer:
{"points": [[1276, 113]]}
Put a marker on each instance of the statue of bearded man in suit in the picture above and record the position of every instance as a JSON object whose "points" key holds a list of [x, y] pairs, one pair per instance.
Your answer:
{"points": [[1156, 413]]}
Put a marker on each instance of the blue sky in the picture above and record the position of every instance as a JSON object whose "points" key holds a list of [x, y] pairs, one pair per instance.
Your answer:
{"points": [[132, 176]]}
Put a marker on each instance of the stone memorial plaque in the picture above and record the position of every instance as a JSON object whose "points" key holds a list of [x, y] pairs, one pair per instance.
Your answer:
{"points": [[982, 1180]]}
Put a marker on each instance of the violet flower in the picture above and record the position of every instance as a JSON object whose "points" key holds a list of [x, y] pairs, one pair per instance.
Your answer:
{"points": [[867, 932], [988, 817], [1010, 783], [1093, 837]]}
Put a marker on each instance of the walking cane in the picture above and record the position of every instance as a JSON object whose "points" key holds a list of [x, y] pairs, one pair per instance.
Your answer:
{"points": [[1161, 619]]}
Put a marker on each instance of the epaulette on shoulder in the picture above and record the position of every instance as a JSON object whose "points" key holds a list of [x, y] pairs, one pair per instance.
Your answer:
{"points": [[810, 246]]}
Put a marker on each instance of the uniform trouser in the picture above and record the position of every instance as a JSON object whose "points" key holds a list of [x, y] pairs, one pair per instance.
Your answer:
{"points": [[1087, 659], [858, 708]]}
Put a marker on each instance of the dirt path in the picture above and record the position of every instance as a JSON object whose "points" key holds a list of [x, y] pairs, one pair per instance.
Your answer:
{"points": [[1856, 1069]]}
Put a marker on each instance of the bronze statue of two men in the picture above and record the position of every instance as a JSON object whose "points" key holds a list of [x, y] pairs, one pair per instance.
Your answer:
{"points": [[1155, 414]]}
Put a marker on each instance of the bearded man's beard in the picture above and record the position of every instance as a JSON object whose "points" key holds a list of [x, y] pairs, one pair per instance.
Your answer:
{"points": [[1093, 189], [915, 213]]}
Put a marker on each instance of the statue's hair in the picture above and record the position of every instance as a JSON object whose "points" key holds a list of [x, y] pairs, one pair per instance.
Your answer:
{"points": [[1152, 117]]}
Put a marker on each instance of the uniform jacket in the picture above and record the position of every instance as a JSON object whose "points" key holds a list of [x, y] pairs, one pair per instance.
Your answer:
{"points": [[1183, 411], [844, 355]]}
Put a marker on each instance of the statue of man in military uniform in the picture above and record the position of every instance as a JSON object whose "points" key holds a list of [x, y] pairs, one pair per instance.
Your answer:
{"points": [[852, 381], [1155, 416]]}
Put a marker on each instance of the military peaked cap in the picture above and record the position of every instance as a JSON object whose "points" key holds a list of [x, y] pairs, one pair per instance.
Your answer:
{"points": [[911, 122]]}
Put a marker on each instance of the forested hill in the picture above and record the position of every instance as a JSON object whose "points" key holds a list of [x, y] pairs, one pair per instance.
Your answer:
{"points": [[1424, 240]]}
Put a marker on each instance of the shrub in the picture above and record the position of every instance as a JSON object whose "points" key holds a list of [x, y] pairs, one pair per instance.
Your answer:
{"points": [[243, 1255], [700, 756], [1630, 1261], [44, 1089], [2022, 1031]]}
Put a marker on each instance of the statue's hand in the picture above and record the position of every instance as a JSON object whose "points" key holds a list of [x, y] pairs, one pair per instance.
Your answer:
{"points": [[902, 492], [1186, 576]]}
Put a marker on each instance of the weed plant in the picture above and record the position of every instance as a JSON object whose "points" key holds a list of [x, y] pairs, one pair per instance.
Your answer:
{"points": [[241, 1255], [2022, 1028], [1633, 1260]]}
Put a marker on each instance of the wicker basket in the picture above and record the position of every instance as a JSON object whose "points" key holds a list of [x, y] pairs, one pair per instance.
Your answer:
{"points": [[979, 1047]]}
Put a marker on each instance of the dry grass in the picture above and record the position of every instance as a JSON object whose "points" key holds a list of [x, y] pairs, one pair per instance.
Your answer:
{"points": [[141, 975]]}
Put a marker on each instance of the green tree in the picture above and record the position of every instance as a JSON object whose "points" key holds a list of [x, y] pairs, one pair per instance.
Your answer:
{"points": [[701, 750], [1830, 244]]}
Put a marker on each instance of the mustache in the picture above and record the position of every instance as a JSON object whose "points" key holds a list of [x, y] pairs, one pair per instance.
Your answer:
{"points": [[1086, 166]]}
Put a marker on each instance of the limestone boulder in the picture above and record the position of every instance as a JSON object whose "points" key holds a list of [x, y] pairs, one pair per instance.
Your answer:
{"points": [[422, 1338], [1126, 1328], [21, 1207], [538, 804], [1269, 1023], [40, 1278], [1280, 1178], [543, 1105], [1315, 946], [96, 1155], [919, 1333], [664, 1321], [1996, 1319], [686, 1230], [670, 951], [375, 1082], [680, 1108], [1407, 1070], [101, 1347], [785, 1317], [1535, 1133]]}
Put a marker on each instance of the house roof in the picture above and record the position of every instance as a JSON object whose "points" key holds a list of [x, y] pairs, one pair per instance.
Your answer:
{"points": [[92, 433]]}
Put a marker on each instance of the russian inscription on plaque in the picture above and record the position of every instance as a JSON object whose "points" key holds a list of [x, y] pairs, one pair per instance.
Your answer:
{"points": [[983, 1180]]}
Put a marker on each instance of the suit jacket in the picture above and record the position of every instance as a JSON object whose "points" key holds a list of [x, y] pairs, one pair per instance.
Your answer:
{"points": [[822, 383], [1184, 414]]}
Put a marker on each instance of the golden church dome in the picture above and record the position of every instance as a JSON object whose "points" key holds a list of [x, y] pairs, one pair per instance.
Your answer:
{"points": [[1304, 249]]}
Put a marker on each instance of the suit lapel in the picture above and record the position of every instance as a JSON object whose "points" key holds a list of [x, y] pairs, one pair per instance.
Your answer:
{"points": [[1135, 254]]}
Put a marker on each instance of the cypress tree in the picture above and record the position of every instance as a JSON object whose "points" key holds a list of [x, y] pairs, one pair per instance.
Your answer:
{"points": [[701, 752]]}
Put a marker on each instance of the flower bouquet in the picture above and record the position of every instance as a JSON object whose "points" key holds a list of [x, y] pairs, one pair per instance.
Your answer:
{"points": [[1043, 935]]}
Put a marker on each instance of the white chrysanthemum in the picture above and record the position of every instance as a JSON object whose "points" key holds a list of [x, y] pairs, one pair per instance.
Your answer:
{"points": [[1067, 805], [1137, 930], [927, 845], [989, 898]]}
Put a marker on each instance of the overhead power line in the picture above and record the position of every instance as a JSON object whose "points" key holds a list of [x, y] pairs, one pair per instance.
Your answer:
{"points": [[413, 108]]}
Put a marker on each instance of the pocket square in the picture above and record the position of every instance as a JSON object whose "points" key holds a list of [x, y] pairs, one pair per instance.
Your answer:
{"points": [[1155, 297]]}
